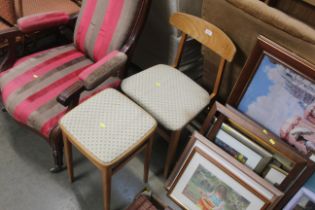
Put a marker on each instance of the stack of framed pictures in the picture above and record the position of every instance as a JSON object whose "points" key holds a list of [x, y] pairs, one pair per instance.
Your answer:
{"points": [[275, 94], [247, 142], [206, 177]]}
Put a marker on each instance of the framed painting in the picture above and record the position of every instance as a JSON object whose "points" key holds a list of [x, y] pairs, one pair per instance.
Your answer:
{"points": [[217, 167], [303, 200], [205, 184], [277, 90], [257, 138]]}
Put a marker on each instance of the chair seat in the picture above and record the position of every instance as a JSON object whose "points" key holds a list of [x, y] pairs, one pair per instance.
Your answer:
{"points": [[108, 125], [171, 97], [29, 89]]}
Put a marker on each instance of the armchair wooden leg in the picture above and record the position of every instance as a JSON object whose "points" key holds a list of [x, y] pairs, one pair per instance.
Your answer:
{"points": [[68, 156], [175, 137], [148, 154], [106, 175], [57, 147]]}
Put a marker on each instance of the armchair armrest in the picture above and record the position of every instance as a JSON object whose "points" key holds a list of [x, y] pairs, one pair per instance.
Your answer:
{"points": [[40, 21], [103, 69], [72, 94], [91, 77]]}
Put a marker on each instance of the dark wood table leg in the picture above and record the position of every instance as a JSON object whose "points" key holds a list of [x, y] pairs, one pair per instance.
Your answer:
{"points": [[68, 156]]}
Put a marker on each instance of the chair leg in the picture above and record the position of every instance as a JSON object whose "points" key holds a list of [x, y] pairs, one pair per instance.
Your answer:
{"points": [[106, 175], [148, 154], [68, 157], [175, 137], [57, 148]]}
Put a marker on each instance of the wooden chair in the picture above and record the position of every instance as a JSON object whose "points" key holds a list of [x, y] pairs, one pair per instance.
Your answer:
{"points": [[169, 95], [37, 90]]}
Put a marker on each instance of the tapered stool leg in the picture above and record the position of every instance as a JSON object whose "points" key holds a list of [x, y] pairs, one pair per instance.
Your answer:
{"points": [[148, 154], [68, 156], [106, 175], [173, 144]]}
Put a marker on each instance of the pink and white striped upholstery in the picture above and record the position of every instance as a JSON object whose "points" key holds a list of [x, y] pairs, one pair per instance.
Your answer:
{"points": [[105, 25], [30, 88]]}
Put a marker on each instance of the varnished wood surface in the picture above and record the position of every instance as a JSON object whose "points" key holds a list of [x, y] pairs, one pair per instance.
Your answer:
{"points": [[206, 33]]}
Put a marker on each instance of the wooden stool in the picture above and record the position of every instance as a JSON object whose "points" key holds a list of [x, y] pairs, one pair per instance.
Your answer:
{"points": [[108, 129]]}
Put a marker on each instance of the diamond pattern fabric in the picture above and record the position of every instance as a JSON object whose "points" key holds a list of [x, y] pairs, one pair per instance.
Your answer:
{"points": [[108, 125], [171, 97]]}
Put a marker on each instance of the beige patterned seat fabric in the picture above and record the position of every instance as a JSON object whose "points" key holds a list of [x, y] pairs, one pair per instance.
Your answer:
{"points": [[108, 125], [171, 97]]}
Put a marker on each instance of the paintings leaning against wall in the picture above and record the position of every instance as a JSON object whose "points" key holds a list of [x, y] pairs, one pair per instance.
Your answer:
{"points": [[279, 94], [205, 184]]}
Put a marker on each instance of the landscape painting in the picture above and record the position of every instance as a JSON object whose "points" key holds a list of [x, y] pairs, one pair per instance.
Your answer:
{"points": [[284, 102], [208, 192]]}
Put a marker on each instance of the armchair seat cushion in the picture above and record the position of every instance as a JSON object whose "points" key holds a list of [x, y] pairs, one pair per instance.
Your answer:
{"points": [[29, 89], [170, 96]]}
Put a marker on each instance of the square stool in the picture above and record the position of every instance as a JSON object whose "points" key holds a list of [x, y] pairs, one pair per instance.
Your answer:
{"points": [[108, 129]]}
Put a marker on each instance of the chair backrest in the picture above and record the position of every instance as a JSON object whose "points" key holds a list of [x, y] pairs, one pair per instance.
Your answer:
{"points": [[104, 25], [209, 36]]}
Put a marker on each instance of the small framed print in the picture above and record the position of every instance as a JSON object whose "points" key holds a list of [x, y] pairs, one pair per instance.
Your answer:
{"points": [[242, 139], [277, 90], [180, 188], [205, 184], [303, 200], [239, 151]]}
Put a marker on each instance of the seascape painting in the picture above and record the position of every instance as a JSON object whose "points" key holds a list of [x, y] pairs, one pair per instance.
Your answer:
{"points": [[284, 102], [208, 192]]}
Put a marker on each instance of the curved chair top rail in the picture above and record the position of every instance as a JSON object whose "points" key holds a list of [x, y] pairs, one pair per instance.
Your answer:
{"points": [[205, 33]]}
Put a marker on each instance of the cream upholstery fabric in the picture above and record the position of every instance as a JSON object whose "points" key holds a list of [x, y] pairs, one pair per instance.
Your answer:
{"points": [[108, 125], [167, 94]]}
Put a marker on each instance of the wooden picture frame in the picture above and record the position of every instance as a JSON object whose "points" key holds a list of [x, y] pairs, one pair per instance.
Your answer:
{"points": [[276, 89], [209, 148], [257, 133], [261, 201], [298, 66]]}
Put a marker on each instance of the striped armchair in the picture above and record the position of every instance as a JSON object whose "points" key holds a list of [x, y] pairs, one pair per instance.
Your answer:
{"points": [[40, 88]]}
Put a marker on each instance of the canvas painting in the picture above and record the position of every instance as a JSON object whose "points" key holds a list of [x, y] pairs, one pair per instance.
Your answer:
{"points": [[206, 191], [282, 101]]}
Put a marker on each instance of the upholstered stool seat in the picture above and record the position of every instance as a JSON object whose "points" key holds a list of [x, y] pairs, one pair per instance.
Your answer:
{"points": [[108, 129], [171, 97], [108, 125]]}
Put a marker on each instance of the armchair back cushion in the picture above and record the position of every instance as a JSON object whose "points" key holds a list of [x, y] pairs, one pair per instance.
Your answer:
{"points": [[99, 32]]}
